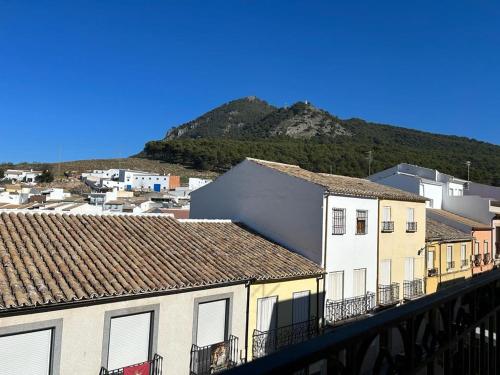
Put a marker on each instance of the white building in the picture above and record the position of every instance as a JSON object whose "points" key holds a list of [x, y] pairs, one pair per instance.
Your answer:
{"points": [[331, 220], [196, 183], [139, 180], [21, 175]]}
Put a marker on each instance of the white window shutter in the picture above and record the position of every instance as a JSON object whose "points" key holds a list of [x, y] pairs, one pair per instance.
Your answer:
{"points": [[266, 313], [359, 287], [430, 260], [386, 213], [129, 340], [411, 215], [335, 287], [409, 268], [449, 253], [211, 322], [301, 304], [385, 272], [463, 252]]}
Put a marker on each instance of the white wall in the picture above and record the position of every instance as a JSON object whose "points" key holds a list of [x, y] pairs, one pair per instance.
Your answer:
{"points": [[434, 193], [285, 209], [196, 183], [351, 251], [82, 332]]}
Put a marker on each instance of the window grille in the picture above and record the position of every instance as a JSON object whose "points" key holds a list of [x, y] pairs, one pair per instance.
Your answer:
{"points": [[361, 221], [338, 221]]}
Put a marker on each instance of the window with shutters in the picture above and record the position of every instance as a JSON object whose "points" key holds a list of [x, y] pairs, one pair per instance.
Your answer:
{"points": [[300, 306], [335, 286], [409, 269], [359, 282], [463, 255], [486, 247], [385, 272], [386, 213], [449, 257], [212, 325], [476, 248], [267, 311], [430, 260], [338, 221], [361, 221]]}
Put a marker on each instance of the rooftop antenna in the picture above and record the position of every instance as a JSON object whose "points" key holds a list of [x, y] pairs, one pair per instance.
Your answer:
{"points": [[369, 157]]}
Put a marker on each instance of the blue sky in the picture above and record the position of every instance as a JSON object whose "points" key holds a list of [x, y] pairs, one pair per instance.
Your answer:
{"points": [[96, 79]]}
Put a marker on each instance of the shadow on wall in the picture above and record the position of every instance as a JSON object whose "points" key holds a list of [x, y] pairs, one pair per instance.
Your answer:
{"points": [[446, 284]]}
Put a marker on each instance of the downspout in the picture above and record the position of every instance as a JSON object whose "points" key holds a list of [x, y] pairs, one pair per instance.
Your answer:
{"points": [[247, 285], [440, 269], [319, 312], [378, 255], [325, 245]]}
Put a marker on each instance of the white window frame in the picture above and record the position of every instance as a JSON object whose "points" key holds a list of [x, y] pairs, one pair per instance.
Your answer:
{"points": [[213, 298]]}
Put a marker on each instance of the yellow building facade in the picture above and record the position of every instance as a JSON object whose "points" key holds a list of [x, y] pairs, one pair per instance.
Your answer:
{"points": [[401, 251], [281, 313]]}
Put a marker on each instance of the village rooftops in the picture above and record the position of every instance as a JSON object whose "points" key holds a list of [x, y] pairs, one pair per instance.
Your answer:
{"points": [[436, 231], [474, 224], [342, 185], [52, 259]]}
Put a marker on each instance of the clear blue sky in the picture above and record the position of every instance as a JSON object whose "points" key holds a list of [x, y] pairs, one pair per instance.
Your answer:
{"points": [[92, 79]]}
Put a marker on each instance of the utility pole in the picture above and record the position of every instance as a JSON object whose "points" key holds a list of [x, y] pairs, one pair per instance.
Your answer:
{"points": [[369, 157], [468, 163]]}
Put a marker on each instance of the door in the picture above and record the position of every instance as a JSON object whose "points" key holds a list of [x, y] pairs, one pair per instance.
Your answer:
{"points": [[212, 322], [335, 286], [157, 187], [409, 269], [430, 260], [26, 353], [301, 305], [266, 313], [385, 272], [129, 340], [359, 282]]}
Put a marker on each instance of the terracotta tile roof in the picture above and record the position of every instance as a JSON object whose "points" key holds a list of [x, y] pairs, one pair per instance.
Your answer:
{"points": [[459, 219], [343, 185], [57, 258], [436, 231]]}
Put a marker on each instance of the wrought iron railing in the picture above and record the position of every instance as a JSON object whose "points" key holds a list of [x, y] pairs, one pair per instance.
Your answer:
{"points": [[452, 331], [214, 358], [266, 342], [477, 260], [387, 226], [450, 265], [432, 271], [154, 366], [486, 258], [464, 263], [337, 311], [388, 294], [411, 226], [412, 288]]}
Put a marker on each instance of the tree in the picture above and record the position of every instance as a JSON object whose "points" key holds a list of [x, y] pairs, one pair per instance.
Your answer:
{"points": [[46, 176]]}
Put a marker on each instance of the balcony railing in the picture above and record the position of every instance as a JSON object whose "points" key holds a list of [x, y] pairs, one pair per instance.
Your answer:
{"points": [[477, 260], [387, 226], [451, 331], [337, 311], [154, 366], [486, 258], [412, 288], [411, 226], [213, 358], [264, 343], [388, 294], [450, 265], [464, 263], [432, 271]]}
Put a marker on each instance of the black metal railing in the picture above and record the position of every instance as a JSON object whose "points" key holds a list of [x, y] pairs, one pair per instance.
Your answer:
{"points": [[266, 342], [432, 271], [451, 331], [486, 258], [464, 263], [411, 226], [387, 226], [388, 294], [337, 311], [477, 260], [214, 358], [413, 288], [450, 265], [154, 365]]}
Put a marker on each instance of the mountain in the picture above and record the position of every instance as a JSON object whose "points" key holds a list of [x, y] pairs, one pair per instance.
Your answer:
{"points": [[317, 140]]}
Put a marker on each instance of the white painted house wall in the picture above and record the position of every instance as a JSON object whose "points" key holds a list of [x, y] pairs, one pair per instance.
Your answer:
{"points": [[196, 183], [350, 251], [433, 192], [285, 209]]}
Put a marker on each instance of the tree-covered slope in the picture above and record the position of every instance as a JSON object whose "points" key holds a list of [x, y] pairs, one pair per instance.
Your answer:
{"points": [[316, 140]]}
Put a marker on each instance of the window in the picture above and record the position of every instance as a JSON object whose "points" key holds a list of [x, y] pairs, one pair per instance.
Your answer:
{"points": [[335, 286], [212, 322], [338, 221], [386, 213], [385, 272], [449, 257], [409, 269], [463, 254], [450, 192], [486, 247], [266, 313], [129, 340], [300, 307], [361, 221], [411, 215], [476, 248], [430, 260], [359, 282]]}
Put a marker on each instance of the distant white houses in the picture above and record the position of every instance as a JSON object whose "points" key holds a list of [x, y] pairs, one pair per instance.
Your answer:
{"points": [[196, 183], [130, 180], [21, 175]]}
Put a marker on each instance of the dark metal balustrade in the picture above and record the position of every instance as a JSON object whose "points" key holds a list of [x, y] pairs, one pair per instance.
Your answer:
{"points": [[387, 226], [411, 226], [264, 343], [486, 258], [432, 271], [155, 367], [413, 288], [451, 331], [477, 260], [465, 263], [450, 265], [337, 311], [214, 358], [388, 294]]}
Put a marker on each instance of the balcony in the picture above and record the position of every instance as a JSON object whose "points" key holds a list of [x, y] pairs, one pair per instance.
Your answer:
{"points": [[432, 272], [464, 263], [213, 358], [411, 226], [388, 294], [477, 260], [349, 308], [264, 343], [412, 289], [450, 265], [151, 367], [487, 258], [387, 226]]}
